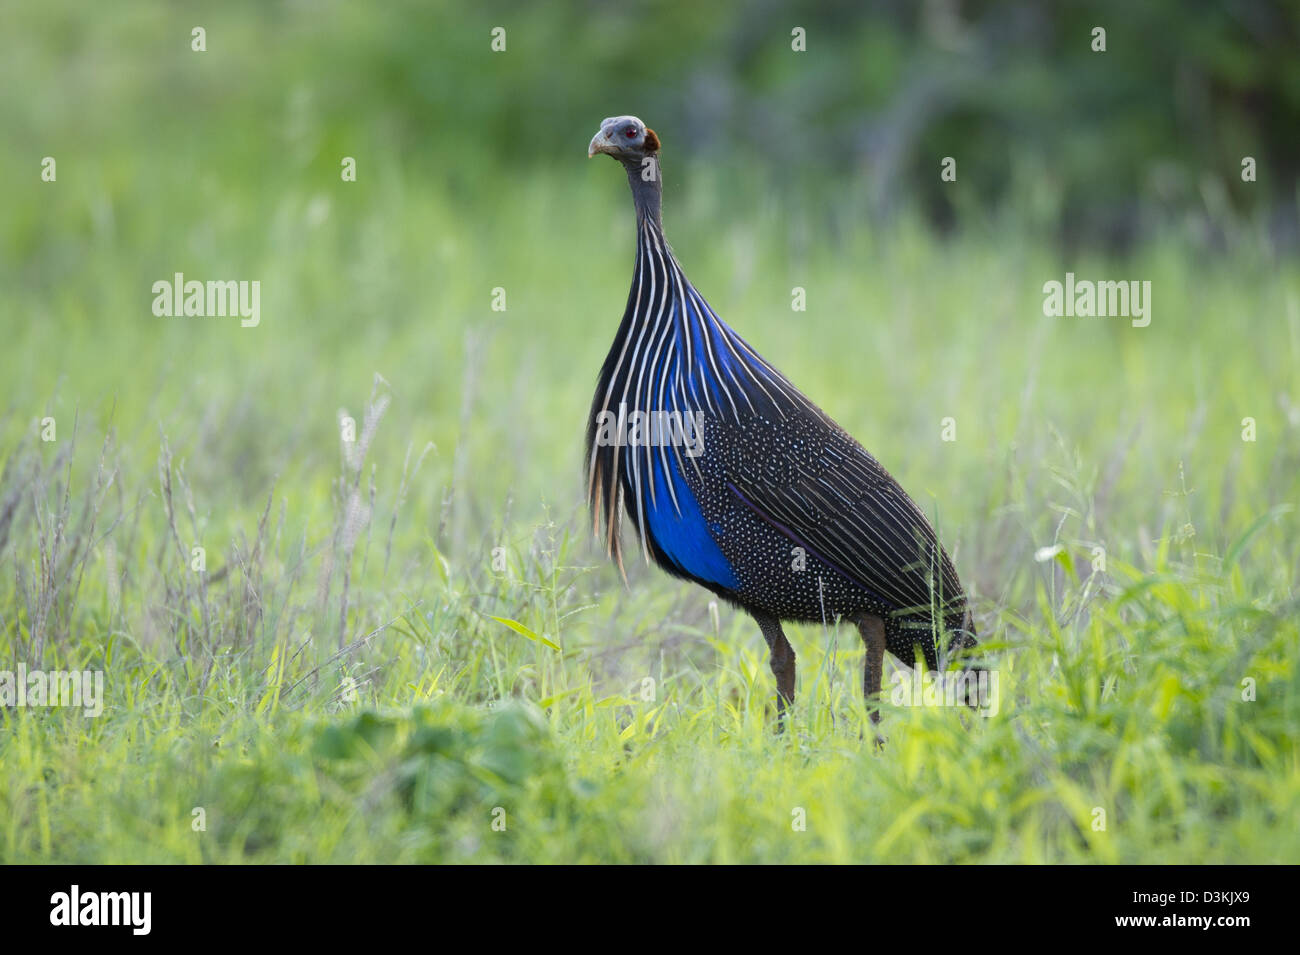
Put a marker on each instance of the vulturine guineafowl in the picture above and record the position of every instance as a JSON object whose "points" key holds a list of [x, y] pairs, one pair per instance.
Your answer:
{"points": [[735, 480]]}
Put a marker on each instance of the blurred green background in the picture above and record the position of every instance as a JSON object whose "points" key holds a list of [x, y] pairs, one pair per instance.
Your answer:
{"points": [[818, 169]]}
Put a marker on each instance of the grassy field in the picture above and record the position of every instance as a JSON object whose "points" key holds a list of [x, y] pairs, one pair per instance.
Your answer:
{"points": [[407, 647]]}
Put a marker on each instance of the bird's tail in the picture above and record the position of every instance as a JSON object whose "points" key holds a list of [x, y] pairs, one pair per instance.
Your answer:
{"points": [[976, 681]]}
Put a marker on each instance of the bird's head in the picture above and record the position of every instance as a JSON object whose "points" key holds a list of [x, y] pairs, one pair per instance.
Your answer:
{"points": [[625, 138]]}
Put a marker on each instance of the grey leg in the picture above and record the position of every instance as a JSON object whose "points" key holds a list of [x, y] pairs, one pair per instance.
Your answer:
{"points": [[872, 629], [782, 662]]}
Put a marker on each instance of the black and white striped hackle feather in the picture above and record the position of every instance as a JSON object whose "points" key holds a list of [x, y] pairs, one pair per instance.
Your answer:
{"points": [[731, 476]]}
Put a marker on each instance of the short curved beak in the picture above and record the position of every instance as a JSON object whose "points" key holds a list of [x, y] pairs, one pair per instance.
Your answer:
{"points": [[600, 143]]}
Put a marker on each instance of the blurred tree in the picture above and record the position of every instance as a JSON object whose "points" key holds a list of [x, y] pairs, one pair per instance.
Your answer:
{"points": [[1093, 147]]}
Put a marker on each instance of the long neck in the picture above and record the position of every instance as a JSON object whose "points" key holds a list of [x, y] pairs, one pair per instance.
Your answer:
{"points": [[647, 192]]}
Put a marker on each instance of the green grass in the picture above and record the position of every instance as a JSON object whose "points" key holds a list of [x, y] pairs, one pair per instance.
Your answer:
{"points": [[336, 687]]}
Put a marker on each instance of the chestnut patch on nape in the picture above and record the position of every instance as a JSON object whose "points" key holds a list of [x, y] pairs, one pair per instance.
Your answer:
{"points": [[651, 141]]}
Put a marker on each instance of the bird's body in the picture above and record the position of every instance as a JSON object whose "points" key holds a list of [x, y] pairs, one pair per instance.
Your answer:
{"points": [[737, 481]]}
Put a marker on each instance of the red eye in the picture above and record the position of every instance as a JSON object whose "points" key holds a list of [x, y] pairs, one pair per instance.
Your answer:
{"points": [[630, 133]]}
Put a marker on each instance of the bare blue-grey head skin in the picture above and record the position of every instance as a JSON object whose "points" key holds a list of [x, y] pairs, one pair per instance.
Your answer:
{"points": [[625, 138], [636, 146]]}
